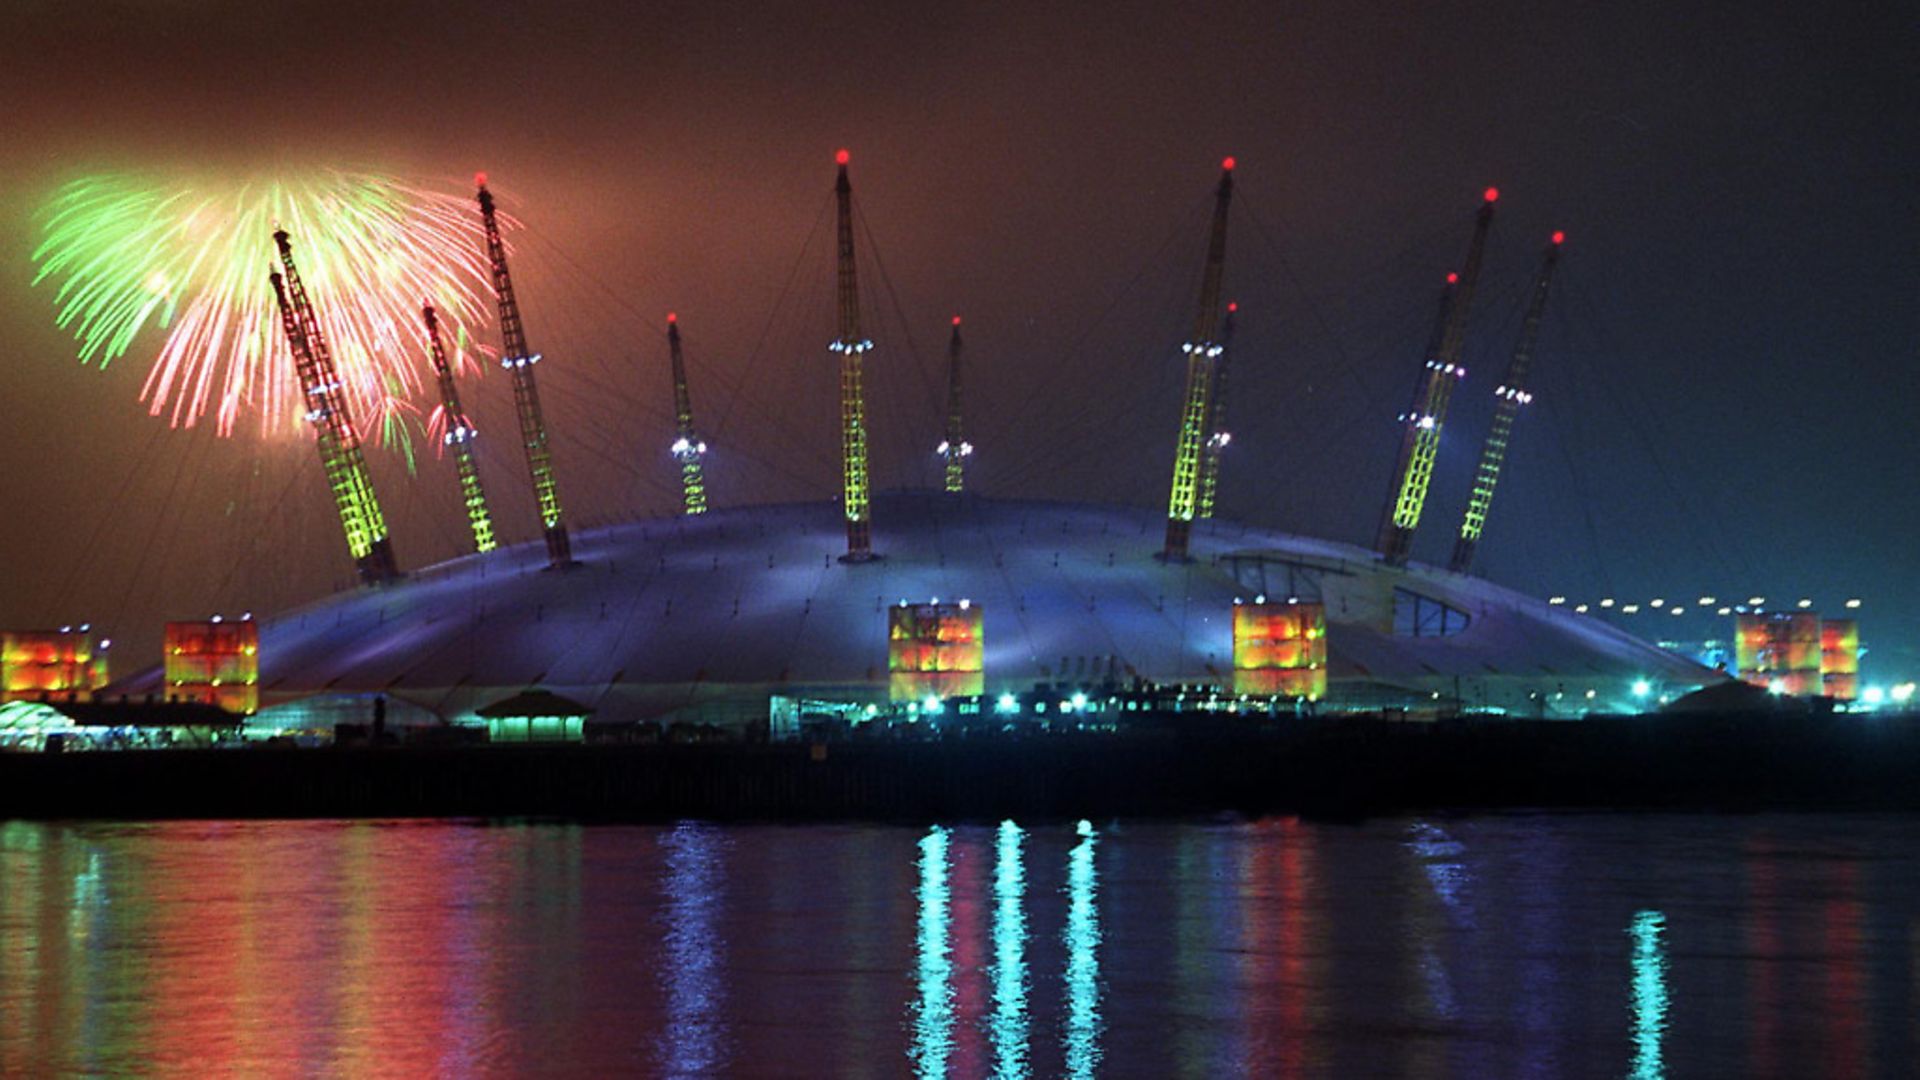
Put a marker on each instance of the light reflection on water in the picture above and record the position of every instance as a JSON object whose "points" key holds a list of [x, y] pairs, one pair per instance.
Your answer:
{"points": [[933, 1012], [1649, 995], [1641, 946], [1082, 937], [696, 995], [1009, 1024]]}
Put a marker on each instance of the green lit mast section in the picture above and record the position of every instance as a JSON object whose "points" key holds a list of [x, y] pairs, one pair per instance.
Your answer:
{"points": [[955, 448], [1508, 398], [339, 441], [519, 361], [1420, 444], [688, 446], [1196, 410], [1218, 436], [852, 345], [459, 437], [1408, 420]]}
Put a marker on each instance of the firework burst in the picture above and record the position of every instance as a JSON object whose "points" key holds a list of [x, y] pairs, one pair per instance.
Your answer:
{"points": [[186, 265]]}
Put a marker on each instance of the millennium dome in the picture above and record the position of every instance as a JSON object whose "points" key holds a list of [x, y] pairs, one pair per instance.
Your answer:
{"points": [[709, 618]]}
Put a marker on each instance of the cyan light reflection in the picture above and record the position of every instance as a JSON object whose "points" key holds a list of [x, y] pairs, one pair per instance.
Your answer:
{"points": [[1008, 1025], [1649, 995], [695, 990], [1082, 936], [933, 1012]]}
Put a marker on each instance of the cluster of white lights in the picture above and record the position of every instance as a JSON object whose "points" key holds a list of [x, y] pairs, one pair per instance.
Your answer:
{"points": [[966, 448], [460, 433], [519, 361], [1208, 351], [1513, 393], [854, 347], [684, 447], [1220, 440], [1458, 371], [1873, 697], [1754, 604]]}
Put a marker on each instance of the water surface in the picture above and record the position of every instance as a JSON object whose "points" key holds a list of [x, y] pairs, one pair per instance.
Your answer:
{"points": [[1605, 945]]}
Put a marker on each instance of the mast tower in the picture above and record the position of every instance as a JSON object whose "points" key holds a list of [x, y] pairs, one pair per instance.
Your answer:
{"points": [[519, 360], [851, 345], [459, 436], [955, 448], [1196, 410], [1218, 436], [338, 439], [1420, 441], [1508, 398], [688, 446]]}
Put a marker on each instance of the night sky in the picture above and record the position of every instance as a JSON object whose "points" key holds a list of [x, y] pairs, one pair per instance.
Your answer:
{"points": [[1725, 388]]}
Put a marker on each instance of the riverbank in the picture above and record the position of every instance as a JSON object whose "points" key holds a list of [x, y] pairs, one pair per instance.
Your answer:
{"points": [[1338, 768]]}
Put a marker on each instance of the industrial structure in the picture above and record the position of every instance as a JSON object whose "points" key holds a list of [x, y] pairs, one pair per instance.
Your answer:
{"points": [[1196, 404], [458, 434], [1798, 653], [688, 447], [519, 360], [851, 344], [955, 449], [51, 665], [1509, 396], [1421, 425], [935, 651], [214, 662], [338, 439]]}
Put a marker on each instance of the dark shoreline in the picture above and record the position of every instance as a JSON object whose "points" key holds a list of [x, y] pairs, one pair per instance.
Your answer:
{"points": [[1327, 768]]}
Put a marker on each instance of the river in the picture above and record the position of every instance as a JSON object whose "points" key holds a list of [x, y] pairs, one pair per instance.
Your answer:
{"points": [[1496, 946]]}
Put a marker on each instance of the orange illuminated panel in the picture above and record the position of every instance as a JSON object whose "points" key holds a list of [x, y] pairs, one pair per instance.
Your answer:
{"points": [[1280, 650], [1780, 651], [1840, 658], [215, 662], [51, 665], [935, 650]]}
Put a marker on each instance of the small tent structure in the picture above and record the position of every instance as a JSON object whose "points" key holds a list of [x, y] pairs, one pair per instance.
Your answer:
{"points": [[535, 715]]}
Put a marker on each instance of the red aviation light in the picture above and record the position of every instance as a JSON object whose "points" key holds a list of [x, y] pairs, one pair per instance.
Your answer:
{"points": [[1232, 306], [1453, 279], [479, 179], [1491, 194], [672, 317], [1226, 164], [841, 157], [1559, 238], [956, 320]]}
